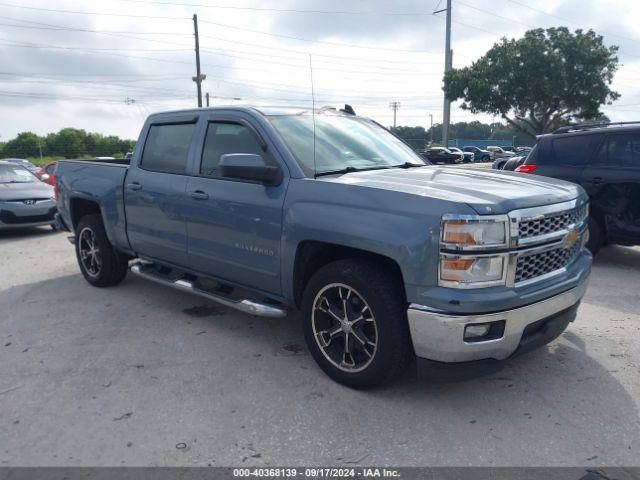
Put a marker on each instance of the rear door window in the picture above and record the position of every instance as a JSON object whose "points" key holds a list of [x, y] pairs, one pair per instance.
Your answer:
{"points": [[167, 147]]}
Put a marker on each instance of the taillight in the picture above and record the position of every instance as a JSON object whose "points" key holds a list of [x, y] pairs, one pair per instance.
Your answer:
{"points": [[526, 168]]}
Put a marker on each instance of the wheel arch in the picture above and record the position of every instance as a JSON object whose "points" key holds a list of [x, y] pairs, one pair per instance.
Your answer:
{"points": [[312, 255], [80, 207]]}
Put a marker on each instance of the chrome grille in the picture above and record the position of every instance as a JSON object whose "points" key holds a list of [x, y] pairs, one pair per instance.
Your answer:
{"points": [[552, 222], [534, 265]]}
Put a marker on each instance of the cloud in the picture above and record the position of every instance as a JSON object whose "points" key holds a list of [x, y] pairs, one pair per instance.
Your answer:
{"points": [[84, 84]]}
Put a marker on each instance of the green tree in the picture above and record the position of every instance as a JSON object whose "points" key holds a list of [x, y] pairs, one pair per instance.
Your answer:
{"points": [[68, 142], [26, 144], [539, 82]]}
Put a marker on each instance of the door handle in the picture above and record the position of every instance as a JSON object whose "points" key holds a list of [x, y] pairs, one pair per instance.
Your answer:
{"points": [[596, 180], [134, 186], [199, 195]]}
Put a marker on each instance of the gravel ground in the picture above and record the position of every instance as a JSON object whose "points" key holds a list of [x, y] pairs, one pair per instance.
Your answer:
{"points": [[140, 374]]}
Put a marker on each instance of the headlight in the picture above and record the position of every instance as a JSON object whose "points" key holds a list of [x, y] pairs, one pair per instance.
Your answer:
{"points": [[472, 271], [468, 243], [473, 233]]}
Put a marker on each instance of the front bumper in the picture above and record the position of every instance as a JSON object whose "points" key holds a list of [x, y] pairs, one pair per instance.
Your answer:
{"points": [[439, 336], [19, 214]]}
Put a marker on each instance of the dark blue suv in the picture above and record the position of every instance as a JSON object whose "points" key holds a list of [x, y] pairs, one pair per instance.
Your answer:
{"points": [[605, 161]]}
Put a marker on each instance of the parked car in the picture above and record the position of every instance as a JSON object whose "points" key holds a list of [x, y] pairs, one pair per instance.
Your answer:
{"points": [[384, 256], [605, 161], [24, 200], [523, 151], [510, 164], [24, 163], [479, 154], [48, 173], [443, 155], [499, 163], [467, 157], [499, 152]]}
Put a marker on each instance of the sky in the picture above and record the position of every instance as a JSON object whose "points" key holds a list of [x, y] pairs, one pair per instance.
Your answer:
{"points": [[103, 66]]}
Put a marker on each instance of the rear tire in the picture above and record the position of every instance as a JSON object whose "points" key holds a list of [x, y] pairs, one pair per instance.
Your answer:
{"points": [[100, 264], [596, 236], [373, 346]]}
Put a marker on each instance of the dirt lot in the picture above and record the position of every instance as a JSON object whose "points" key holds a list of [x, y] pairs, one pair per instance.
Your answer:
{"points": [[143, 375]]}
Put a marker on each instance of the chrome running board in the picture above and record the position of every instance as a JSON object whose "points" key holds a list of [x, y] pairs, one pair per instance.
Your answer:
{"points": [[245, 305]]}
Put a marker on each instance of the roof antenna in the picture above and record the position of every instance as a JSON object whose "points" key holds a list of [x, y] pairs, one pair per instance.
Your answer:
{"points": [[313, 117]]}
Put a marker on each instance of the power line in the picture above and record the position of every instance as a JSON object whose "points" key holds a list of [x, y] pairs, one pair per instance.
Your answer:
{"points": [[282, 10], [564, 19], [512, 20], [302, 39], [50, 26], [101, 14], [380, 71]]}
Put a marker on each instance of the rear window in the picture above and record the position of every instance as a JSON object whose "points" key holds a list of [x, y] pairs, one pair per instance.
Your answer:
{"points": [[167, 147], [575, 150], [621, 150]]}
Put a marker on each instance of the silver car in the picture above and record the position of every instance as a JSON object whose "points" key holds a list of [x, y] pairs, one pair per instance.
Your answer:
{"points": [[25, 201]]}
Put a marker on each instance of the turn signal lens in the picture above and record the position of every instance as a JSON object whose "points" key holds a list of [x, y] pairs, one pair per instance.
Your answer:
{"points": [[471, 271]]}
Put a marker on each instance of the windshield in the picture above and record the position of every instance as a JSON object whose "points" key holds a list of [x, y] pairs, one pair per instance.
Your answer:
{"points": [[342, 143], [16, 174]]}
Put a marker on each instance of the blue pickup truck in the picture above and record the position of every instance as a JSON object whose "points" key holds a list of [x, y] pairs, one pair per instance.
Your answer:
{"points": [[387, 259]]}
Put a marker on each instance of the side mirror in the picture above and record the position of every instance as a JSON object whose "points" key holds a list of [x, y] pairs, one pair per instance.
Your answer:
{"points": [[247, 166], [44, 177]]}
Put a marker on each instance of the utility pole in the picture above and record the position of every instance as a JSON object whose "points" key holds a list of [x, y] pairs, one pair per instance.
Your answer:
{"points": [[446, 111], [395, 105], [431, 127], [199, 76], [206, 96]]}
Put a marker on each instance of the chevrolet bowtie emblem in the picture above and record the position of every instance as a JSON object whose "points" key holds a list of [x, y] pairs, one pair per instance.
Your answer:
{"points": [[570, 238]]}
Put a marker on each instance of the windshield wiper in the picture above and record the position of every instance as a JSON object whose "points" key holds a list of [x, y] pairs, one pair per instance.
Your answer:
{"points": [[349, 170], [409, 165]]}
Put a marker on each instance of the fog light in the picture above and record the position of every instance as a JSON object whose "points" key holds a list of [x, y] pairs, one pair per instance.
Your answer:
{"points": [[475, 331], [482, 332]]}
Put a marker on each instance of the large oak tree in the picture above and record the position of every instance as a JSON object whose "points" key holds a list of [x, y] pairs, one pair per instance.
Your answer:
{"points": [[539, 82]]}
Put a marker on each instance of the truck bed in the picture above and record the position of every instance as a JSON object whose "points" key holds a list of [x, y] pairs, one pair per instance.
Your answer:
{"points": [[98, 181]]}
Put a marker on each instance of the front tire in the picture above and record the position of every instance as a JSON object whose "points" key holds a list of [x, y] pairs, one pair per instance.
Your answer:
{"points": [[100, 264], [355, 323]]}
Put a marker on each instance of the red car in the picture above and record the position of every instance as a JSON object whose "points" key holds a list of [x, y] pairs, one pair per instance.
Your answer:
{"points": [[50, 170]]}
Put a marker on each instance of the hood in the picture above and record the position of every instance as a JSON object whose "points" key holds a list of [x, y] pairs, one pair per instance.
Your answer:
{"points": [[24, 191], [486, 191]]}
